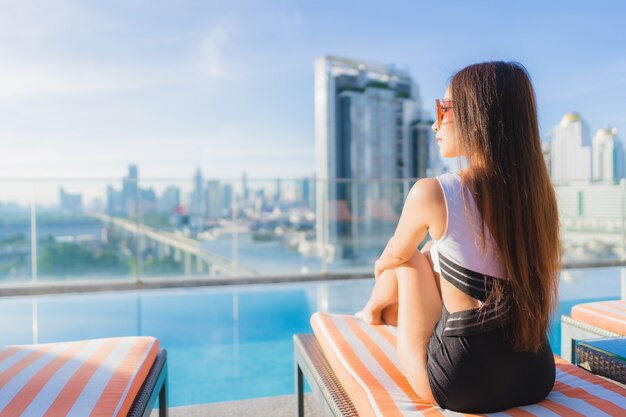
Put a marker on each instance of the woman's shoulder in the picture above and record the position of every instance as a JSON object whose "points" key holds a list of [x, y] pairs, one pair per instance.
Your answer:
{"points": [[427, 192]]}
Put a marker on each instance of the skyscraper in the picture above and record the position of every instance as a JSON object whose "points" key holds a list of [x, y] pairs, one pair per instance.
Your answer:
{"points": [[608, 156], [170, 200], [130, 191], [227, 197], [244, 185], [570, 151], [278, 193], [305, 191], [70, 202], [197, 206], [213, 199], [423, 152], [363, 115]]}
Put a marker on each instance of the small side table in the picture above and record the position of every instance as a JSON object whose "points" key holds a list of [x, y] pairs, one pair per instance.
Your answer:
{"points": [[605, 357]]}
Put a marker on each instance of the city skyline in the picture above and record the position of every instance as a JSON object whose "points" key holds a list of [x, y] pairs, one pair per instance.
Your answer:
{"points": [[88, 87]]}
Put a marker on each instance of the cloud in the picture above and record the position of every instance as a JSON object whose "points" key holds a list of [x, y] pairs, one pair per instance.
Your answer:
{"points": [[212, 56]]}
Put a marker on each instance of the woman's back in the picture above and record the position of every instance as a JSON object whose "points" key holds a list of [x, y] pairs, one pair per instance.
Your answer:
{"points": [[471, 363], [461, 242]]}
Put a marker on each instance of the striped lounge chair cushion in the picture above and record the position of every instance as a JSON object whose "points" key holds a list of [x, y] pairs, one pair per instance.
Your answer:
{"points": [[364, 360], [608, 315], [98, 377]]}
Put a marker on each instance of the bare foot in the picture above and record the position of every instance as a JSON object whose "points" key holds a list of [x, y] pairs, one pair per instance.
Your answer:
{"points": [[368, 315]]}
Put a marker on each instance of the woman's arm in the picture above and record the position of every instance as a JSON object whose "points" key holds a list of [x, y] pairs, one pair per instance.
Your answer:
{"points": [[419, 208]]}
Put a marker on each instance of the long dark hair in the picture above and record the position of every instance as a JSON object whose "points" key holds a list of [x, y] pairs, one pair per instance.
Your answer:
{"points": [[496, 124]]}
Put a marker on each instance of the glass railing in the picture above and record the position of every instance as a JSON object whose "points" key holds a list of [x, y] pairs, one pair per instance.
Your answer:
{"points": [[135, 230]]}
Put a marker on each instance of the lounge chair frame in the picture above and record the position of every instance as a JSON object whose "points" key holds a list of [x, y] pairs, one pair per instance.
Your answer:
{"points": [[573, 330], [310, 363], [155, 386]]}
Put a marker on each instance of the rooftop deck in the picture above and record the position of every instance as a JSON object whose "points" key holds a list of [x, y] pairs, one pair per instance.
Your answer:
{"points": [[281, 406]]}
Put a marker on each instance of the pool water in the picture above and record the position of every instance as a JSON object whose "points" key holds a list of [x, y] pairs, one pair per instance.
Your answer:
{"points": [[224, 343]]}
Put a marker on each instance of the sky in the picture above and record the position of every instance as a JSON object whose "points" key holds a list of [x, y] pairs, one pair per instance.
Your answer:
{"points": [[89, 87]]}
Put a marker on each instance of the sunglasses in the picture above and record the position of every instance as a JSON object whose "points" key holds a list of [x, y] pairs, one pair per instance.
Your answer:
{"points": [[442, 107]]}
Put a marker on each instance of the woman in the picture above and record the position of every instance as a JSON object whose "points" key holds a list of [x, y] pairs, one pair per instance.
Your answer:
{"points": [[475, 341]]}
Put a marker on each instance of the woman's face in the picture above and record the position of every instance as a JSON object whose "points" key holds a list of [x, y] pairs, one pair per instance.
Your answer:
{"points": [[446, 134]]}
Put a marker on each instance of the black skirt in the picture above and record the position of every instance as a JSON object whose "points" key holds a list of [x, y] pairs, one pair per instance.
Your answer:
{"points": [[480, 373]]}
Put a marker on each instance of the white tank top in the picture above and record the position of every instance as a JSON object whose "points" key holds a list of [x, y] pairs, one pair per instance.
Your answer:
{"points": [[459, 244]]}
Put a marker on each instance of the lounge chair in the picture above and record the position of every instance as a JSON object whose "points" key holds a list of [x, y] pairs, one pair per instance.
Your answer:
{"points": [[99, 377], [592, 320], [352, 368]]}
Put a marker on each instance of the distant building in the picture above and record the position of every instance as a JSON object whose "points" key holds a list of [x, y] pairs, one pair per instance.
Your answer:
{"points": [[131, 200], [170, 199], [227, 197], [363, 116], [147, 200], [608, 156], [70, 202], [197, 205], [115, 204], [129, 190], [570, 151], [305, 191], [277, 194], [423, 152], [213, 200], [245, 189]]}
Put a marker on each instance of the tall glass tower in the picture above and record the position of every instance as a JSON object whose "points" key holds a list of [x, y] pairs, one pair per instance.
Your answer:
{"points": [[571, 150], [364, 115], [608, 156]]}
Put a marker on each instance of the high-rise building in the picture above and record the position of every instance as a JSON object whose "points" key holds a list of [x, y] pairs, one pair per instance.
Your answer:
{"points": [[169, 200], [115, 204], [213, 199], [570, 150], [147, 200], [130, 194], [363, 115], [278, 193], [608, 156], [424, 157], [227, 197], [197, 203], [305, 191], [245, 189], [70, 202]]}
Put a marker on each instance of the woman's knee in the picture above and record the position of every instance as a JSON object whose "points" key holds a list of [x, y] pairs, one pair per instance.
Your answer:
{"points": [[418, 260]]}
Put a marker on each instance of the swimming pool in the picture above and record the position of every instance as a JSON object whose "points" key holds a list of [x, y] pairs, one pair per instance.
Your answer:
{"points": [[224, 343]]}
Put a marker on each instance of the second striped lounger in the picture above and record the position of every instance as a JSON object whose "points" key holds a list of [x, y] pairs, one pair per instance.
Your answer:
{"points": [[352, 368], [111, 377], [590, 321]]}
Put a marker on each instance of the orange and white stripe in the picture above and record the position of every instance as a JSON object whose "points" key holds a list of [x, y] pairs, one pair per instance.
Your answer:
{"points": [[98, 377], [364, 360], [608, 315]]}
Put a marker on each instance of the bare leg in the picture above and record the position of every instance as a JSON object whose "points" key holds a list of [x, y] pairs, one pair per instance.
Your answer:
{"points": [[382, 306], [385, 293], [419, 309], [390, 314]]}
